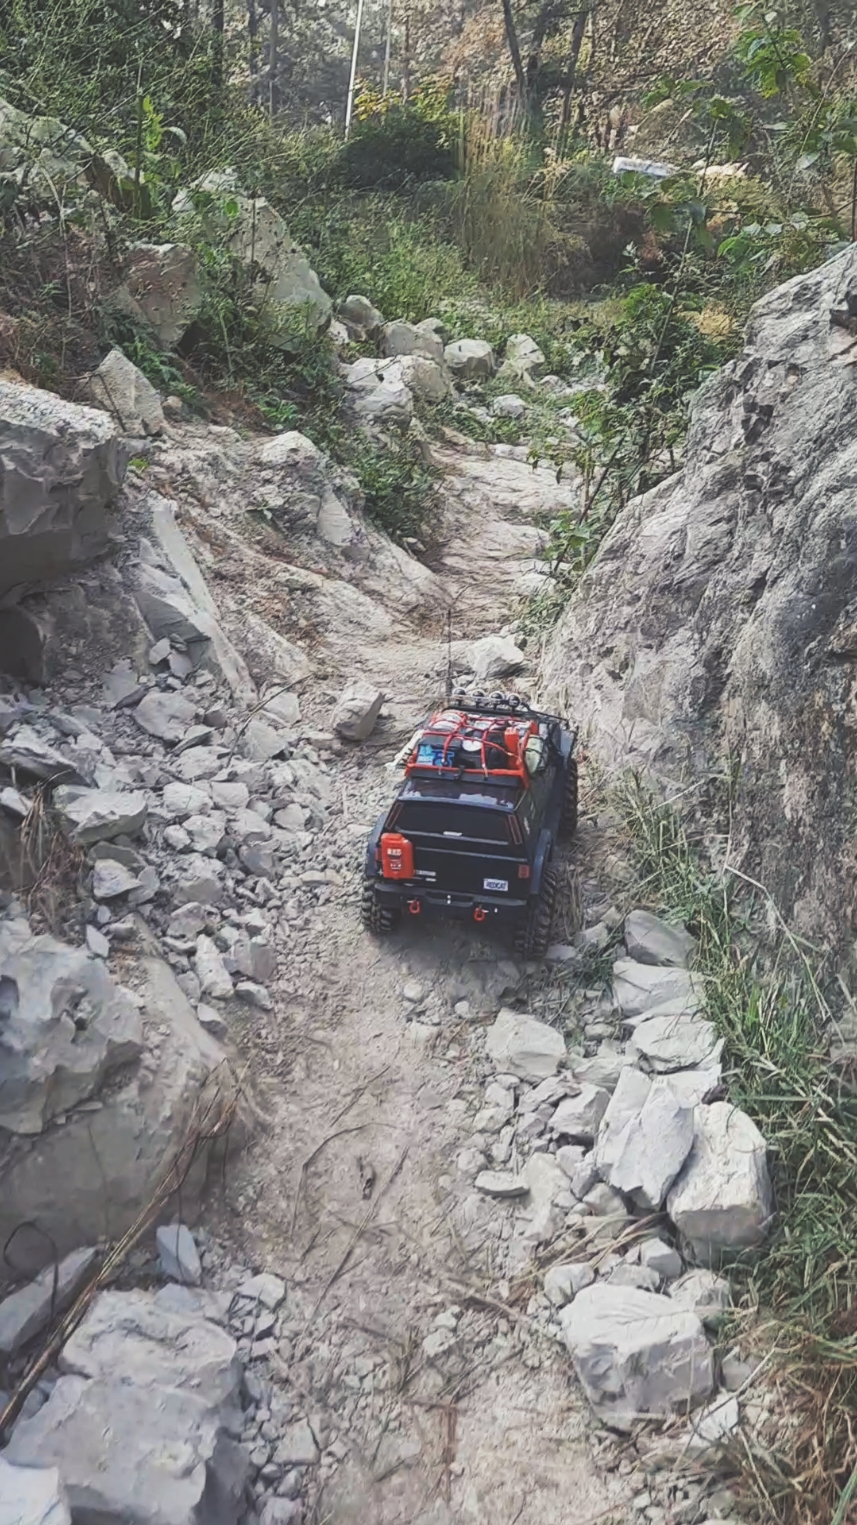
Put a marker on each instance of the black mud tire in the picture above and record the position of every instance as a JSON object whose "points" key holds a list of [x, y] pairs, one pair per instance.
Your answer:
{"points": [[378, 919], [568, 817], [533, 936]]}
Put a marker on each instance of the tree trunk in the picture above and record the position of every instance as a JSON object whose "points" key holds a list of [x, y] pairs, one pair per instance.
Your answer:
{"points": [[274, 59], [406, 60], [217, 48], [253, 35], [515, 52], [387, 45], [577, 35]]}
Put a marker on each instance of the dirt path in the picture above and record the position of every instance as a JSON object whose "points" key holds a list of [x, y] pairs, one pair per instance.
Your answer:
{"points": [[431, 1399]]}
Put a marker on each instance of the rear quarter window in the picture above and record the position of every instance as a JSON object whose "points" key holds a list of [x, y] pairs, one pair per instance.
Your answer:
{"points": [[453, 822]]}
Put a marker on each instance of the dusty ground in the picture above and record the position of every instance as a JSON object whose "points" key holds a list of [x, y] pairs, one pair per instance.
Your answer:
{"points": [[355, 1191]]}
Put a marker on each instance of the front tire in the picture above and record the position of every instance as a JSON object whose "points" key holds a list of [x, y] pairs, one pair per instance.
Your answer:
{"points": [[532, 938], [568, 818], [378, 919]]}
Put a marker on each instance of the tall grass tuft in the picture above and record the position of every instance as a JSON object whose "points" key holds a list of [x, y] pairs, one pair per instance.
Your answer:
{"points": [[767, 999]]}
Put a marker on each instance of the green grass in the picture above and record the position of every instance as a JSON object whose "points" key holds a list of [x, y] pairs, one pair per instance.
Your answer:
{"points": [[767, 996]]}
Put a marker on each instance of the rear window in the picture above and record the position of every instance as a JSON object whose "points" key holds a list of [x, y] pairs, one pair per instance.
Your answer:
{"points": [[453, 821]]}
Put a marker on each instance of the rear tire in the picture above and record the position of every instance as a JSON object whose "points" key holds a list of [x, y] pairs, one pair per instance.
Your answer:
{"points": [[533, 936], [568, 818], [378, 919]]}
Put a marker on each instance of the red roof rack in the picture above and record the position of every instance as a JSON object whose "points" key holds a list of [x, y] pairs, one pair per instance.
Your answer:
{"points": [[459, 741]]}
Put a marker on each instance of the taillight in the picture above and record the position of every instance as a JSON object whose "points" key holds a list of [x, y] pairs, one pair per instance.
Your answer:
{"points": [[397, 856], [523, 870]]}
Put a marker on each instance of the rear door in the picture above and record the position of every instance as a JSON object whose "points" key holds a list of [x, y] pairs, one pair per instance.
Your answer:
{"points": [[462, 849]]}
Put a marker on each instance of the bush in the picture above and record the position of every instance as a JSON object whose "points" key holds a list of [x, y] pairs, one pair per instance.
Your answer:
{"points": [[394, 142]]}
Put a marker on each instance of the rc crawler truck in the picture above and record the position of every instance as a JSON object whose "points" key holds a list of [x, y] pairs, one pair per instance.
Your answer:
{"points": [[489, 787]]}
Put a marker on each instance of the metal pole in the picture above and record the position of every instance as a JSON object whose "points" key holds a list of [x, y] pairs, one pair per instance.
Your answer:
{"points": [[387, 48], [350, 104]]}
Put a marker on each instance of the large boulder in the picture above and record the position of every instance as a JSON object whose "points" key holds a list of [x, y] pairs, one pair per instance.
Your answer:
{"points": [[522, 356], [286, 289], [160, 290], [641, 987], [121, 389], [400, 338], [87, 1173], [719, 617], [636, 1353], [140, 1423], [61, 467], [174, 600], [722, 1203]]}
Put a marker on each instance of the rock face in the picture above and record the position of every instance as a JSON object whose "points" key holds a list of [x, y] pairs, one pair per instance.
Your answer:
{"points": [[61, 467], [723, 1203], [139, 1425], [720, 616], [636, 1353]]}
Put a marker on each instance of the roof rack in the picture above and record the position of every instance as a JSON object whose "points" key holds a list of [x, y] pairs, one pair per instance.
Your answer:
{"points": [[447, 741]]}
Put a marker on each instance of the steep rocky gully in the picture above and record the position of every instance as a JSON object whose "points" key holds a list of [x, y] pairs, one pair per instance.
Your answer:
{"points": [[461, 1234]]}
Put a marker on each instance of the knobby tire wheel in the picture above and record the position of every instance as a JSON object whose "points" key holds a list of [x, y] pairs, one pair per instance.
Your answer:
{"points": [[378, 919], [533, 936], [568, 819]]}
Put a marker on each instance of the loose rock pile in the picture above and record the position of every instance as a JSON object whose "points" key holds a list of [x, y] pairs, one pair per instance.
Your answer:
{"points": [[618, 1170]]}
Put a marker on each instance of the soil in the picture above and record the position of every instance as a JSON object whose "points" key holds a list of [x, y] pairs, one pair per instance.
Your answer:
{"points": [[358, 1190]]}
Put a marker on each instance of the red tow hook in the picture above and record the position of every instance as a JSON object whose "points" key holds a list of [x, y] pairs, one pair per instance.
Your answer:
{"points": [[414, 906], [479, 913]]}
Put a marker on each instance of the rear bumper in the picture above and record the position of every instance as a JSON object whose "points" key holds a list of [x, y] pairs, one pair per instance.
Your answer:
{"points": [[416, 899]]}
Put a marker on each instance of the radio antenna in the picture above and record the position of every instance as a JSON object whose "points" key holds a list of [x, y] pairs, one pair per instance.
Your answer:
{"points": [[449, 653]]}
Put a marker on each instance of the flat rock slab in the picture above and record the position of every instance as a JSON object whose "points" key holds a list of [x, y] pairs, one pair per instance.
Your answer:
{"points": [[578, 1117], [652, 1148], [638, 987], [723, 1203], [676, 1043], [165, 715], [519, 1045], [636, 1353], [501, 1183], [99, 815], [649, 940]]}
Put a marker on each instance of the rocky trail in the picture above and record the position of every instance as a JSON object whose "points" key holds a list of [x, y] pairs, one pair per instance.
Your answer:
{"points": [[462, 1178]]}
